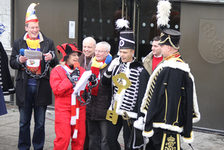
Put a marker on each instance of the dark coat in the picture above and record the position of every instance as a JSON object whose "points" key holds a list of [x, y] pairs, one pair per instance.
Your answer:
{"points": [[171, 100], [44, 94], [5, 81], [3, 109], [97, 108], [175, 88], [87, 60], [137, 73]]}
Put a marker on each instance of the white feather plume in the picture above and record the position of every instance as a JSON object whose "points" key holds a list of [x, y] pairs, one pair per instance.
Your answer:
{"points": [[163, 12], [122, 23]]}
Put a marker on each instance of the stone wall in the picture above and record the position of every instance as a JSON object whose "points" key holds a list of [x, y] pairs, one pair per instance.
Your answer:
{"points": [[5, 24], [6, 34]]}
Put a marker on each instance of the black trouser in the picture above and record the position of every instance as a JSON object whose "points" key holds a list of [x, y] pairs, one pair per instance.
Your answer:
{"points": [[98, 133], [114, 131], [86, 143], [156, 140]]}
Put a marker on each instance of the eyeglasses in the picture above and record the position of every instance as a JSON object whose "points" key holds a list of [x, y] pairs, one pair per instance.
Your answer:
{"points": [[99, 51]]}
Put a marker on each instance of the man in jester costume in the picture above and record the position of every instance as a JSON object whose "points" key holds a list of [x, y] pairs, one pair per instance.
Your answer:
{"points": [[70, 113], [170, 102], [33, 91]]}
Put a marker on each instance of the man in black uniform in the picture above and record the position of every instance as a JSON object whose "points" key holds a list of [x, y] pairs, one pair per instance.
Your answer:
{"points": [[170, 102], [129, 80]]}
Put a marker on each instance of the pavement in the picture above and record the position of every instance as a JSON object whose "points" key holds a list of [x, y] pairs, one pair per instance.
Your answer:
{"points": [[9, 129]]}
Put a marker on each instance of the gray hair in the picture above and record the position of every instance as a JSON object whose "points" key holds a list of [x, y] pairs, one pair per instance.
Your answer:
{"points": [[105, 44], [89, 38]]}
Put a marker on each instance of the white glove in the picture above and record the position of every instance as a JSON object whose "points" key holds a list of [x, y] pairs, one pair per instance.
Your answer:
{"points": [[139, 124], [115, 62]]}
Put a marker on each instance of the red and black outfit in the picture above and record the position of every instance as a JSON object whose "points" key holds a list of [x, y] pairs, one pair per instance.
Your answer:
{"points": [[70, 116], [63, 90]]}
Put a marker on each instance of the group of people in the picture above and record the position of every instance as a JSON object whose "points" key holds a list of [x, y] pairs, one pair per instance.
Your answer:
{"points": [[97, 95]]}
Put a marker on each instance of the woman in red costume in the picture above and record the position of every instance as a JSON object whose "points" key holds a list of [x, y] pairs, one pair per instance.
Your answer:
{"points": [[70, 116]]}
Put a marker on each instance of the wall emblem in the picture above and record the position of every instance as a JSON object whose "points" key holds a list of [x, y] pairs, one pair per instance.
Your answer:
{"points": [[211, 40]]}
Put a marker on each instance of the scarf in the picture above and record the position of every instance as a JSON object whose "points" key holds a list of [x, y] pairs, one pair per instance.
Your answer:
{"points": [[75, 106], [96, 67], [33, 64]]}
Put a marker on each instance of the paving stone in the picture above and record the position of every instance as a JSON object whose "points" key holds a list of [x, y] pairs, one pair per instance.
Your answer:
{"points": [[9, 129]]}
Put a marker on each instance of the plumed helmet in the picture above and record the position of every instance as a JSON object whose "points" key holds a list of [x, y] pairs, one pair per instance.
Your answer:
{"points": [[168, 36], [127, 40]]}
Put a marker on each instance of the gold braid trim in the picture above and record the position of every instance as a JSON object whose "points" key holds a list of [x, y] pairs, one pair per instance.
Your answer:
{"points": [[150, 90], [174, 55], [169, 38]]}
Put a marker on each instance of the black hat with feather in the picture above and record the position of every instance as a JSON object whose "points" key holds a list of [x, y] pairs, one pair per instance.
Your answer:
{"points": [[168, 36], [126, 35]]}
